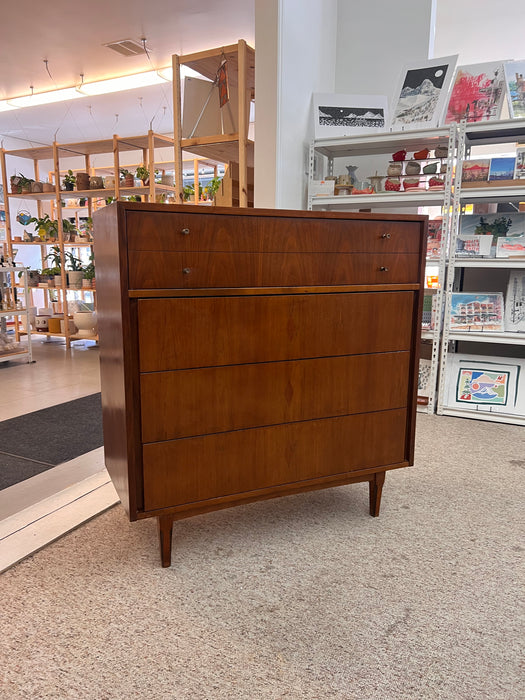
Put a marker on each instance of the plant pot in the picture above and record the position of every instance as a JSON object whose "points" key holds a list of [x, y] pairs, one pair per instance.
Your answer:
{"points": [[129, 181], [68, 186], [53, 325], [86, 284], [85, 323], [96, 182], [75, 278], [83, 181], [145, 181], [58, 281]]}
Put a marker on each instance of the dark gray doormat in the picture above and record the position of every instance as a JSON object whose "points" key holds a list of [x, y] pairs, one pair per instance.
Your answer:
{"points": [[37, 441]]}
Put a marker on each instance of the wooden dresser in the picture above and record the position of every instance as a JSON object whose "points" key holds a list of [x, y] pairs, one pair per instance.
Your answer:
{"points": [[247, 354]]}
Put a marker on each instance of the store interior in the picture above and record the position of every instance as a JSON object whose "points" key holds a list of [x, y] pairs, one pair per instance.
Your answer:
{"points": [[47, 500]]}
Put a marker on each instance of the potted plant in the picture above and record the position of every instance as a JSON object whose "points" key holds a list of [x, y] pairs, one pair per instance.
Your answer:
{"points": [[45, 227], [16, 186], [143, 174], [33, 277], [69, 181], [56, 264], [75, 272], [48, 275], [127, 177], [70, 230], [212, 187], [26, 183], [89, 273]]}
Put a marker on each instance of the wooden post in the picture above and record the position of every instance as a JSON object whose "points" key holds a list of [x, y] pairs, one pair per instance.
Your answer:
{"points": [[177, 131], [150, 156], [116, 166], [63, 276], [243, 123]]}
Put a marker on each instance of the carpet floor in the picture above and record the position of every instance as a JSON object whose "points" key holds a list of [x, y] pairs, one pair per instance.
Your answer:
{"points": [[35, 442], [303, 597]]}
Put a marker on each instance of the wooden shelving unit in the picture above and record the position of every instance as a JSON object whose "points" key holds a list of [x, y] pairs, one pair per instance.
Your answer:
{"points": [[58, 154], [225, 148]]}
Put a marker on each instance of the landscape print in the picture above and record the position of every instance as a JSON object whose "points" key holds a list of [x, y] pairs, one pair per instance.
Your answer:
{"points": [[477, 94], [515, 77], [420, 100], [475, 170], [351, 116], [344, 115]]}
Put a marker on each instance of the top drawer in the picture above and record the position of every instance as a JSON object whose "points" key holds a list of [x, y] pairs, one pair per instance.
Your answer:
{"points": [[181, 232]]}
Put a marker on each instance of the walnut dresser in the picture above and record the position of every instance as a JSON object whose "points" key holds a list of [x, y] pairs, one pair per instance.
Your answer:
{"points": [[248, 354]]}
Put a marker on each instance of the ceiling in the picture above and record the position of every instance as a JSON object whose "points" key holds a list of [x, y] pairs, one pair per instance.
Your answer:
{"points": [[71, 37]]}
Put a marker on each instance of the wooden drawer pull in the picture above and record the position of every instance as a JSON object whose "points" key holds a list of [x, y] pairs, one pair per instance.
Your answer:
{"points": [[385, 235], [185, 231], [383, 269], [186, 270]]}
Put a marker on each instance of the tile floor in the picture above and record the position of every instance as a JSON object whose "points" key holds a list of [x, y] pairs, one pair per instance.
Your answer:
{"points": [[38, 510]]}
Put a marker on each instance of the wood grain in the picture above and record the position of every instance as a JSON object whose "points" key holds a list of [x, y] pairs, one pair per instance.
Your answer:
{"points": [[212, 331], [149, 270], [199, 468], [192, 402], [195, 231]]}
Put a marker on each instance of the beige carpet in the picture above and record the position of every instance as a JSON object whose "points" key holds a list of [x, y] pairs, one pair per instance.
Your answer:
{"points": [[299, 597]]}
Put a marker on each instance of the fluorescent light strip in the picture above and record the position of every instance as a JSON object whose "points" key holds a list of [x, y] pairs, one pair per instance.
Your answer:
{"points": [[44, 98], [126, 82], [100, 87]]}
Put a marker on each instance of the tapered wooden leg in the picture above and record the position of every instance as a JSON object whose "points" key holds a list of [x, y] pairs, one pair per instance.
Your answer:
{"points": [[165, 523], [375, 486]]}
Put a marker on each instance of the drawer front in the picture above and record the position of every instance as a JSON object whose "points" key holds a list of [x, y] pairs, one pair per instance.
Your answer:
{"points": [[149, 270], [156, 231], [211, 466], [185, 403], [185, 333]]}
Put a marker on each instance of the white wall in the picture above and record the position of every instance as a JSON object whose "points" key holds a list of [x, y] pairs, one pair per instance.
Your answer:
{"points": [[375, 40], [480, 30], [307, 46], [295, 56]]}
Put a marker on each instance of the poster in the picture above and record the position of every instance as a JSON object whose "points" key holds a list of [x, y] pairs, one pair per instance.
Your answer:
{"points": [[480, 383], [420, 97], [345, 115], [515, 80], [475, 312], [477, 94]]}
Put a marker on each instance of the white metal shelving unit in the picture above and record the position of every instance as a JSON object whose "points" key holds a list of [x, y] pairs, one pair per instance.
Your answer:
{"points": [[481, 133], [15, 308], [383, 145]]}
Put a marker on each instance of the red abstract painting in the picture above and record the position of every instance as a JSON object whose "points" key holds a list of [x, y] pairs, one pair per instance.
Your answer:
{"points": [[477, 94]]}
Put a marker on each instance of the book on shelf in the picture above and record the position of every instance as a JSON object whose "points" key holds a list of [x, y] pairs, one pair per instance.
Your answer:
{"points": [[519, 171], [435, 233], [515, 302], [510, 247], [502, 168], [476, 311], [472, 246], [475, 170]]}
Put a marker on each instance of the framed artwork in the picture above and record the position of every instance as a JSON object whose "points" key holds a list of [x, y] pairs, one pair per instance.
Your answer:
{"points": [[502, 168], [420, 97], [493, 384], [477, 93], [475, 170], [473, 312], [473, 246], [519, 172], [345, 115], [510, 247], [515, 80], [515, 302], [510, 224]]}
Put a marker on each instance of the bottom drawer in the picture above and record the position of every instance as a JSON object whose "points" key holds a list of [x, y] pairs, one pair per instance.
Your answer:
{"points": [[211, 466]]}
